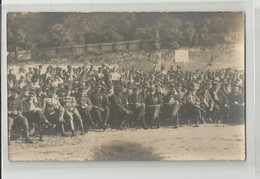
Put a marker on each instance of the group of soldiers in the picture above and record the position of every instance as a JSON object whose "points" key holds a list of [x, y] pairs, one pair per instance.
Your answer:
{"points": [[83, 98]]}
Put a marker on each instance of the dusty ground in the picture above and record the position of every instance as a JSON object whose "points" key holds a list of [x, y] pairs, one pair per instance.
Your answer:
{"points": [[207, 142]]}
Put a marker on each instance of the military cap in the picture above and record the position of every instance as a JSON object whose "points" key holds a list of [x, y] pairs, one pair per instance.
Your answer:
{"points": [[68, 87], [81, 88], [15, 90], [31, 92], [190, 87], [236, 83], [25, 88], [179, 84], [135, 88], [171, 85], [38, 90], [21, 68], [118, 87], [178, 67], [52, 88], [151, 89], [215, 83], [99, 85]]}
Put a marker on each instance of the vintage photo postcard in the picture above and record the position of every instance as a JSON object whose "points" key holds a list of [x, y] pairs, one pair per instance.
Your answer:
{"points": [[126, 86]]}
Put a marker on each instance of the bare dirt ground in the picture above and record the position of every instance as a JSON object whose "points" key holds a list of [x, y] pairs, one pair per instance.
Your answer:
{"points": [[207, 142]]}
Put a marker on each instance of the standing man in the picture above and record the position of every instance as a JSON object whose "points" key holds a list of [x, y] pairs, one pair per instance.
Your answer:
{"points": [[172, 106], [15, 108], [11, 79], [153, 103]]}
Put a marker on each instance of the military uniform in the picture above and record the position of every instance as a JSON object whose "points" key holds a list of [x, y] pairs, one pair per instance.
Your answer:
{"points": [[171, 107], [237, 106], [137, 104], [54, 112], [15, 108], [210, 110], [35, 115], [84, 108], [69, 103], [222, 104], [192, 106], [153, 104], [100, 107], [120, 110]]}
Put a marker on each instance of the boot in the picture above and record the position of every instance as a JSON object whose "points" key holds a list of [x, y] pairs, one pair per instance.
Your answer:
{"points": [[64, 135], [41, 137], [28, 141], [104, 126], [73, 133], [9, 141], [82, 132], [53, 126]]}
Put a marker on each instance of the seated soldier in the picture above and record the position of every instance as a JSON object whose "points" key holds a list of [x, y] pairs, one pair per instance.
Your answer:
{"points": [[221, 101], [193, 105], [34, 114], [153, 103], [15, 115], [137, 104], [237, 104], [171, 106], [210, 110], [53, 110], [120, 108], [71, 112], [84, 106], [100, 106]]}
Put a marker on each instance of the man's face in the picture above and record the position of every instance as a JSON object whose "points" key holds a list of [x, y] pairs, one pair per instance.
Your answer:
{"points": [[50, 93], [173, 91], [158, 89], [235, 89], [11, 71], [14, 94], [67, 93], [215, 87], [98, 89], [135, 91], [31, 97], [178, 88], [228, 88], [83, 92]]}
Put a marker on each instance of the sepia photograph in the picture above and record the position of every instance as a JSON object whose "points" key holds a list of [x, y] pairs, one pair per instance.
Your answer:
{"points": [[126, 86]]}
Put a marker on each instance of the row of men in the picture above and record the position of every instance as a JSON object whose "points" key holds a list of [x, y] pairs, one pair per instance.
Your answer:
{"points": [[98, 103]]}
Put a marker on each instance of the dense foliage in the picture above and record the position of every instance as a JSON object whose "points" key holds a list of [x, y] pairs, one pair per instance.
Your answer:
{"points": [[27, 31]]}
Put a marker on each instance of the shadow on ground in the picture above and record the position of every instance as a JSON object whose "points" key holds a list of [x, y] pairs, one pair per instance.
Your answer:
{"points": [[124, 151]]}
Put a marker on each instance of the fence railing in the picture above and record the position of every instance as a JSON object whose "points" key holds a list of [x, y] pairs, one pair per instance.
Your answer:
{"points": [[66, 51]]}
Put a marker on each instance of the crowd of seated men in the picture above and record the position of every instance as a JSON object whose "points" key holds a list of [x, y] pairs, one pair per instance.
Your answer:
{"points": [[83, 98]]}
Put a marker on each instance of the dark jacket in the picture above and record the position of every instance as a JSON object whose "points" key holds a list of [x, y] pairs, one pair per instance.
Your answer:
{"points": [[27, 105]]}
